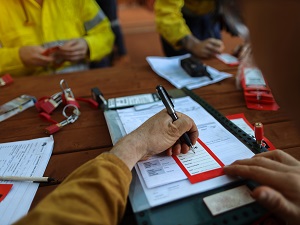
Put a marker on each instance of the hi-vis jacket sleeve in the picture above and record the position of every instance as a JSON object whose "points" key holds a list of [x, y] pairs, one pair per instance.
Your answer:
{"points": [[100, 37], [169, 20], [10, 60], [95, 193]]}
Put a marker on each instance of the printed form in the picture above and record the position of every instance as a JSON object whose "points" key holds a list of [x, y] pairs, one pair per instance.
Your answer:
{"points": [[163, 180], [158, 170], [23, 158]]}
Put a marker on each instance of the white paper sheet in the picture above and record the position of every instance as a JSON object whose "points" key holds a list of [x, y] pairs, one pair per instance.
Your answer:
{"points": [[160, 170], [170, 69], [23, 158], [240, 122]]}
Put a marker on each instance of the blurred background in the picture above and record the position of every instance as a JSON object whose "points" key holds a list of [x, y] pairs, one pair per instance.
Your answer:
{"points": [[137, 21]]}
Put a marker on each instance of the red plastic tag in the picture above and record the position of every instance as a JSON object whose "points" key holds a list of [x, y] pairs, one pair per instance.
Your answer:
{"points": [[4, 189], [6, 79], [52, 129], [257, 93]]}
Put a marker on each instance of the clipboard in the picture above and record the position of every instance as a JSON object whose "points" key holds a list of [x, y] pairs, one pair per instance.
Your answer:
{"points": [[192, 209]]}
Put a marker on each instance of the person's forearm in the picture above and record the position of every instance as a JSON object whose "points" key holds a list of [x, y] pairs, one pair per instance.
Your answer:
{"points": [[189, 42], [95, 193], [130, 149]]}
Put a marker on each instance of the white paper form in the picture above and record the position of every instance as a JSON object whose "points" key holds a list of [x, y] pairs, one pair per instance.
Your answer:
{"points": [[222, 143], [167, 171], [160, 170], [170, 192], [170, 69], [240, 122], [22, 158]]}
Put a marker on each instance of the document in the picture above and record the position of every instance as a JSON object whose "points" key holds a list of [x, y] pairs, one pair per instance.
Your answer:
{"points": [[23, 158], [170, 69], [160, 170], [164, 186]]}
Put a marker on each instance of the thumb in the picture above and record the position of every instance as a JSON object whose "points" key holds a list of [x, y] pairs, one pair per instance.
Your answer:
{"points": [[272, 200], [69, 44], [216, 42]]}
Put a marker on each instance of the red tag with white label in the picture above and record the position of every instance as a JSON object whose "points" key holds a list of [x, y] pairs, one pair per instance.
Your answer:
{"points": [[257, 93]]}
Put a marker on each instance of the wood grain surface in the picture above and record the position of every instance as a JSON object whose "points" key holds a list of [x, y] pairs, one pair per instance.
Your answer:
{"points": [[88, 137]]}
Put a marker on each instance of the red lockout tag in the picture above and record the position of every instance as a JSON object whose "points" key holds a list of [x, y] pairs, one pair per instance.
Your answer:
{"points": [[257, 93]]}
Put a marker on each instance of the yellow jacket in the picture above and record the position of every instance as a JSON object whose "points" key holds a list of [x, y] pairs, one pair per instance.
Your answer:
{"points": [[26, 23], [95, 193], [169, 19]]}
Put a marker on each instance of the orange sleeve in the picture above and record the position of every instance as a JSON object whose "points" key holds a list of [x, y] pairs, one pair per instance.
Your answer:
{"points": [[95, 193]]}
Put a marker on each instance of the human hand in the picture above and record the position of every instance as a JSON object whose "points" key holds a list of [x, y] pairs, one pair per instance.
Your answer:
{"points": [[74, 50], [33, 56], [279, 176], [207, 48], [157, 134]]}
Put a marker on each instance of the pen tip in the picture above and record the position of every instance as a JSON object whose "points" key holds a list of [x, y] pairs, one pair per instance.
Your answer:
{"points": [[192, 148]]}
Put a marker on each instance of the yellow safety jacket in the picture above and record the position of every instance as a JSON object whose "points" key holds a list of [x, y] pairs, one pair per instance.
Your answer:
{"points": [[169, 19], [26, 23]]}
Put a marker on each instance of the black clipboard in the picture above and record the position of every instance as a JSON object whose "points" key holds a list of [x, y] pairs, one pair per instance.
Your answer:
{"points": [[192, 210]]}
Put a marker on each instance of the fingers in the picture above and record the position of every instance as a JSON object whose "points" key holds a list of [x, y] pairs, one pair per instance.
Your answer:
{"points": [[258, 174], [265, 163], [208, 48], [178, 148], [45, 60], [73, 56], [214, 46], [33, 56], [69, 44], [279, 156], [186, 124], [273, 200], [74, 50]]}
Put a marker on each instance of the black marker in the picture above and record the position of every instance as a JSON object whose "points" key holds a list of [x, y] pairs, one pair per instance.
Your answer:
{"points": [[171, 111]]}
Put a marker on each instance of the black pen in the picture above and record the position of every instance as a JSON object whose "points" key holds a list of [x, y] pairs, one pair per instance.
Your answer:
{"points": [[163, 94]]}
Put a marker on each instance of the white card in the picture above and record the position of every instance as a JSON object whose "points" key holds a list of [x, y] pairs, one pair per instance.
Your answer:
{"points": [[228, 200]]}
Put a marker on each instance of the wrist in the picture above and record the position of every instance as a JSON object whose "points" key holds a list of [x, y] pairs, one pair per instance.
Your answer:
{"points": [[130, 149], [189, 43]]}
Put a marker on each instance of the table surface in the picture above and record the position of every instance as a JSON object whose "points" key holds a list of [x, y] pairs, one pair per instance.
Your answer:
{"points": [[88, 137]]}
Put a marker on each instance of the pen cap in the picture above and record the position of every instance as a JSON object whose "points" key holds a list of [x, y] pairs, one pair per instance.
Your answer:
{"points": [[259, 131]]}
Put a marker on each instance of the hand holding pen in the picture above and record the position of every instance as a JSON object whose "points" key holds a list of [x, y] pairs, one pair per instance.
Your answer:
{"points": [[171, 111]]}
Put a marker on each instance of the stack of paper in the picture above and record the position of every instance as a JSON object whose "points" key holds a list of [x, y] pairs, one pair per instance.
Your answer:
{"points": [[23, 158], [162, 178], [170, 69]]}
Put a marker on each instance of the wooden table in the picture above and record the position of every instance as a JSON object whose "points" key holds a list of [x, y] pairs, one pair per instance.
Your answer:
{"points": [[88, 137]]}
